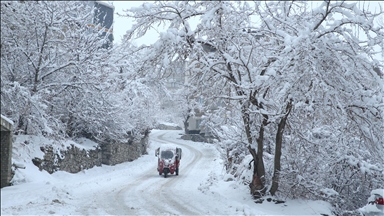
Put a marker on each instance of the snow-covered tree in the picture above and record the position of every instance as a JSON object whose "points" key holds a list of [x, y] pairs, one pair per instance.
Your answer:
{"points": [[136, 91], [58, 80], [290, 68], [50, 66]]}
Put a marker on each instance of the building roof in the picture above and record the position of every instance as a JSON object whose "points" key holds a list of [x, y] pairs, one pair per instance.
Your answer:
{"points": [[106, 4]]}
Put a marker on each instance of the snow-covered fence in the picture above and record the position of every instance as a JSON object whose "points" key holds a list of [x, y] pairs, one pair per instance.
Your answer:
{"points": [[6, 150]]}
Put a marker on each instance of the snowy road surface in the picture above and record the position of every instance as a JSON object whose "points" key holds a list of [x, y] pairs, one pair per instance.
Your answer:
{"points": [[147, 193], [135, 188]]}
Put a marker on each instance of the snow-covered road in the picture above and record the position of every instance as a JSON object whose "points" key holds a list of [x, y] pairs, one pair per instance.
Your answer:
{"points": [[147, 193], [135, 188]]}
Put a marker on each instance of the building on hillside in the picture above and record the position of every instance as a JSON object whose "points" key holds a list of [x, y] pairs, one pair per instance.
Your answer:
{"points": [[102, 19]]}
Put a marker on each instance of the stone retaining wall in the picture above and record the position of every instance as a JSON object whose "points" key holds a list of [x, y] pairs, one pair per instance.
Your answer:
{"points": [[121, 152], [71, 160], [75, 159], [197, 138], [167, 127]]}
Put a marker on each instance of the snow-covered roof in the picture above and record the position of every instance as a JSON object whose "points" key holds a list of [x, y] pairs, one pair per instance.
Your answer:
{"points": [[378, 192], [106, 4], [167, 146]]}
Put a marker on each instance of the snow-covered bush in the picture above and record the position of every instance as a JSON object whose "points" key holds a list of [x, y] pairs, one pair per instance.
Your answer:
{"points": [[328, 168]]}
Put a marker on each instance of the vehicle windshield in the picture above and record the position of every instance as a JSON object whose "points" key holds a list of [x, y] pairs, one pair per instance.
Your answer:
{"points": [[166, 154]]}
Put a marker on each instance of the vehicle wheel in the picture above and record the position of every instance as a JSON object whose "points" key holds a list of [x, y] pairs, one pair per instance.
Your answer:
{"points": [[177, 171], [160, 173]]}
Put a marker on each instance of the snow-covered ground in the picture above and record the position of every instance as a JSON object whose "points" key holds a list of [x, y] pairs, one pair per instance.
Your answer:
{"points": [[135, 188]]}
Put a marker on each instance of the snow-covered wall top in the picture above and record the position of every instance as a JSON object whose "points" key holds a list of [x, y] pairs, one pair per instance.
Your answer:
{"points": [[7, 119], [6, 123]]}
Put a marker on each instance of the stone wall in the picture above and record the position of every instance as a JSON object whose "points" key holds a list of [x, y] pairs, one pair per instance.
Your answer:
{"points": [[6, 151], [197, 138], [74, 159], [121, 152], [6, 159], [167, 127]]}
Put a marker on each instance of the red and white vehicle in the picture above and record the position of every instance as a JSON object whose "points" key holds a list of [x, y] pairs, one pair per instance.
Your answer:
{"points": [[168, 159], [375, 206]]}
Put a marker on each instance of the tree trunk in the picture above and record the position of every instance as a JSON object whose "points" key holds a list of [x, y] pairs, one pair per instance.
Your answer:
{"points": [[260, 151], [186, 125], [256, 186], [258, 179], [279, 141]]}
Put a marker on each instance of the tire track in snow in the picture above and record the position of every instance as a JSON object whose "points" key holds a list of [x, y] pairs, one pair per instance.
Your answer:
{"points": [[163, 198], [151, 194], [197, 163], [112, 199]]}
